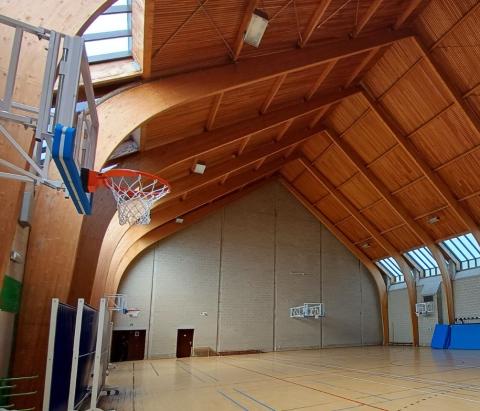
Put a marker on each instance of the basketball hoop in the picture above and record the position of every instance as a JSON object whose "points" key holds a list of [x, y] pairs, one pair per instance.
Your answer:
{"points": [[134, 192], [133, 312]]}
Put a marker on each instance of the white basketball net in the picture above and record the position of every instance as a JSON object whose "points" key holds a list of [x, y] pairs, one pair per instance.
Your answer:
{"points": [[135, 198]]}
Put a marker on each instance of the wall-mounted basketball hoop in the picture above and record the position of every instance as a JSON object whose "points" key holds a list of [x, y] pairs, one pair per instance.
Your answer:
{"points": [[66, 131], [134, 191]]}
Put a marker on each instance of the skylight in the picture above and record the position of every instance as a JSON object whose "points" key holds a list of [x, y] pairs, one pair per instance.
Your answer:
{"points": [[109, 37], [465, 249], [424, 261], [390, 266]]}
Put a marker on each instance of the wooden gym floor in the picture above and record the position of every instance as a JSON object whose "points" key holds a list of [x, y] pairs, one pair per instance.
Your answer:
{"points": [[371, 378]]}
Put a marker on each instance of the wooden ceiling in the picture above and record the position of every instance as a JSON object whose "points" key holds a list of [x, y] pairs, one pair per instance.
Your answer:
{"points": [[378, 141]]}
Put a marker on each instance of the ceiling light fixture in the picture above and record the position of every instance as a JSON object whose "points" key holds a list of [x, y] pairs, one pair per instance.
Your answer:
{"points": [[433, 219], [365, 245], [256, 28], [179, 220], [199, 168]]}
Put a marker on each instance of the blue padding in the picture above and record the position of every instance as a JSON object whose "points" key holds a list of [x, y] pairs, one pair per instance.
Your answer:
{"points": [[63, 155], [465, 337], [441, 337], [62, 357]]}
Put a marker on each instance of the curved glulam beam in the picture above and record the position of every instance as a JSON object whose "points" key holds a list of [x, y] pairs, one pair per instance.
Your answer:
{"points": [[154, 233], [96, 230], [372, 268], [195, 181], [377, 236], [122, 237], [402, 212], [141, 103]]}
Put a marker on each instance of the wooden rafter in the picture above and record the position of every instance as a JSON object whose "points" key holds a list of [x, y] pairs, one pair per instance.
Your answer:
{"points": [[321, 78], [377, 236], [372, 268], [374, 5], [247, 16], [314, 22], [365, 61], [272, 93], [284, 129], [156, 161], [145, 101], [402, 212], [212, 115], [245, 142], [260, 153], [417, 158], [407, 12]]}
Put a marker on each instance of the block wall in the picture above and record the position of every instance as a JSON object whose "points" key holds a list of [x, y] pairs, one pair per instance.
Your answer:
{"points": [[233, 277]]}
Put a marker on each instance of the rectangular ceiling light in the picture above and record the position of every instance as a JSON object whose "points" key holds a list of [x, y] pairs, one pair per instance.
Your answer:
{"points": [[199, 168], [256, 28]]}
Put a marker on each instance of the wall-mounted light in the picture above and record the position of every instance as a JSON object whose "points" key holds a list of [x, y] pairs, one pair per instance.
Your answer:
{"points": [[199, 168], [256, 28], [433, 219]]}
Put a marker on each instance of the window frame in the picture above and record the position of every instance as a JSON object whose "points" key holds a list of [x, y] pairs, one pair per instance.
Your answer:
{"points": [[424, 262], [464, 262], [390, 267], [106, 35]]}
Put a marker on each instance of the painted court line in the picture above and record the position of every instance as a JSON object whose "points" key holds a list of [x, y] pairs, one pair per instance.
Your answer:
{"points": [[424, 391], [307, 387], [232, 400], [254, 399]]}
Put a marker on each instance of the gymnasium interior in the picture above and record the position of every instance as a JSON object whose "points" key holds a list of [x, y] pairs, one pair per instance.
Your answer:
{"points": [[240, 204]]}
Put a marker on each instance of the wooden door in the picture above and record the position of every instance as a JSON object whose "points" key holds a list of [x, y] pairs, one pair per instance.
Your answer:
{"points": [[184, 342], [128, 345]]}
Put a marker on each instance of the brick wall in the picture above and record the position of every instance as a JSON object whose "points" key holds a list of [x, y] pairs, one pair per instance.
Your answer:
{"points": [[233, 277]]}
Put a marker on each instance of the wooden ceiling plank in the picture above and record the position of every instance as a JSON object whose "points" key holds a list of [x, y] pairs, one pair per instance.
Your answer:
{"points": [[374, 5], [470, 116], [314, 22], [159, 159], [141, 103], [382, 241], [365, 61], [470, 12], [273, 92], [247, 16], [260, 153], [417, 158], [179, 28], [369, 264], [407, 12], [402, 212], [321, 78], [212, 115]]}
